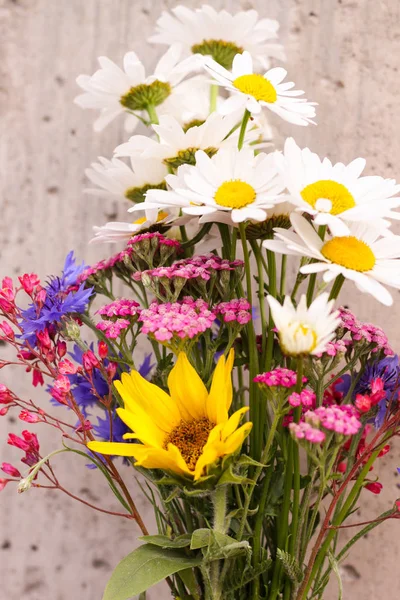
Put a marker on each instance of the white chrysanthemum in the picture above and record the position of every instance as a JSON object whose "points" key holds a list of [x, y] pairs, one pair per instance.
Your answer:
{"points": [[120, 181], [335, 193], [113, 90], [363, 256], [234, 181], [220, 34], [176, 147], [119, 231], [253, 91], [304, 330]]}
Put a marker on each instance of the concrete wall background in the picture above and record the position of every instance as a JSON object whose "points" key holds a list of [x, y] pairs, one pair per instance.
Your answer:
{"points": [[344, 53]]}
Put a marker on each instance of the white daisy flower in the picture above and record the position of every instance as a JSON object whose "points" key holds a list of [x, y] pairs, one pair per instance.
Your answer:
{"points": [[304, 330], [234, 181], [113, 90], [118, 231], [120, 181], [220, 34], [364, 256], [177, 146], [253, 91], [335, 193]]}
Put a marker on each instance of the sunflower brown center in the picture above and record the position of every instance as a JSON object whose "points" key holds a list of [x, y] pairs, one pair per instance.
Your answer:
{"points": [[190, 437]]}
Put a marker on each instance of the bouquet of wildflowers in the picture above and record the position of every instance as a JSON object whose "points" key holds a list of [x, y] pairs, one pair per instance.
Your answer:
{"points": [[254, 421]]}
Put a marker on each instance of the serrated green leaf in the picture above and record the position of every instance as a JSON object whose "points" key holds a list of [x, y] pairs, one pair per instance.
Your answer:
{"points": [[290, 565], [245, 461], [163, 541], [143, 568], [229, 477]]}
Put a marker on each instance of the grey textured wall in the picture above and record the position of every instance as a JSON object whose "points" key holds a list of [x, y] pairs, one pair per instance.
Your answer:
{"points": [[344, 53]]}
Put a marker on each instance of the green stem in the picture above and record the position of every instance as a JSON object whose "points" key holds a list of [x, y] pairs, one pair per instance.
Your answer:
{"points": [[283, 275], [151, 111], [213, 98], [198, 237], [253, 354], [243, 126], [220, 509], [313, 276], [337, 286], [272, 290]]}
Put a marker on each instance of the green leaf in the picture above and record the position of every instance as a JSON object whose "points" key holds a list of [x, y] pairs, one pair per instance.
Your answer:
{"points": [[201, 538], [216, 545], [143, 568], [163, 541], [245, 461], [229, 477], [190, 582]]}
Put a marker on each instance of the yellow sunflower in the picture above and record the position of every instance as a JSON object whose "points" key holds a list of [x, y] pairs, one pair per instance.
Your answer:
{"points": [[185, 431]]}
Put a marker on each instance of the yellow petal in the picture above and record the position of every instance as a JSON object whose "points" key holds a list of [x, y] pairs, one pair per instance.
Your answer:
{"points": [[236, 439], [187, 389], [117, 448], [143, 427], [220, 397], [167, 460], [207, 458], [136, 391], [233, 422]]}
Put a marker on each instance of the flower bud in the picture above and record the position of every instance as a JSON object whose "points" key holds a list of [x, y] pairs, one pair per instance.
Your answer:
{"points": [[102, 349], [10, 470], [29, 417], [374, 486], [89, 360], [61, 348]]}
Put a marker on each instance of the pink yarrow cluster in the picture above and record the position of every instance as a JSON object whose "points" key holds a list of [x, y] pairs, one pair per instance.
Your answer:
{"points": [[334, 348], [113, 329], [305, 431], [365, 331], [305, 399], [238, 310], [162, 241], [192, 268], [184, 319], [340, 419], [120, 308], [278, 377]]}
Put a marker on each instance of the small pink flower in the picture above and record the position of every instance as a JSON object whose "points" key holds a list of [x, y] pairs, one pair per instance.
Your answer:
{"points": [[89, 360], [5, 395], [29, 281], [305, 431], [86, 426], [374, 486], [37, 378], [102, 349], [32, 440], [112, 329], [7, 330], [29, 417], [3, 483], [61, 348], [10, 470], [278, 377], [15, 440], [44, 339], [66, 367], [363, 403], [62, 384], [340, 419]]}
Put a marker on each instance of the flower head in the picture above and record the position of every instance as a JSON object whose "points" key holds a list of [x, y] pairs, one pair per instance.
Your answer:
{"points": [[335, 193], [305, 431], [304, 330], [363, 257], [279, 377], [233, 181], [184, 432], [219, 34], [113, 90], [340, 419], [253, 91]]}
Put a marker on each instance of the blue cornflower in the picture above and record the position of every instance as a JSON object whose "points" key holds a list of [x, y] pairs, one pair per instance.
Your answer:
{"points": [[59, 301], [388, 370], [102, 429]]}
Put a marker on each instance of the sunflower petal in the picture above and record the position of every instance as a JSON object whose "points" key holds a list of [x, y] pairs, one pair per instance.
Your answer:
{"points": [[113, 448], [220, 396], [207, 458], [187, 389], [233, 422], [237, 438], [143, 426]]}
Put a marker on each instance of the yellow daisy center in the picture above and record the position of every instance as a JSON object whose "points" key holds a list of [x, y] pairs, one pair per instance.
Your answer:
{"points": [[190, 437], [235, 194], [161, 215], [350, 252], [328, 196], [257, 86]]}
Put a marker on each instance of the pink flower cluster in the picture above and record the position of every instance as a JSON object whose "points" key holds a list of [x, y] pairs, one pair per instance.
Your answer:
{"points": [[305, 399], [191, 268], [305, 431], [340, 419], [365, 331], [112, 329], [334, 348], [184, 319], [28, 443], [278, 377], [162, 241], [120, 308], [238, 310]]}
